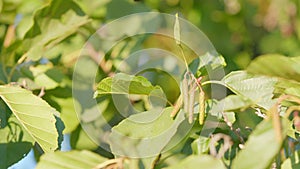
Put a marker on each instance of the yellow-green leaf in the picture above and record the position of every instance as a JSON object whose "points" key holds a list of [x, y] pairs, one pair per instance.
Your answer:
{"points": [[70, 160], [258, 89], [122, 83], [199, 161], [52, 24], [34, 114]]}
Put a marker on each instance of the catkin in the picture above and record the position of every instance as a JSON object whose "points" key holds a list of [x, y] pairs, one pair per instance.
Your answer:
{"points": [[177, 107], [185, 91], [191, 102], [201, 107]]}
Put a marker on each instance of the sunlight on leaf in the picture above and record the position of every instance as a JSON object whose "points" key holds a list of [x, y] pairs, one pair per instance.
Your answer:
{"points": [[52, 24], [136, 136], [125, 84], [35, 115], [70, 160], [202, 161], [258, 89]]}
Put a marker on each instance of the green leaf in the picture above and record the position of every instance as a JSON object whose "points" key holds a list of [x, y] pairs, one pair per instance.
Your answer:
{"points": [[289, 87], [34, 114], [4, 115], [68, 113], [202, 161], [39, 76], [9, 11], [15, 143], [81, 140], [261, 147], [230, 117], [292, 162], [52, 24], [291, 131], [229, 103], [125, 84], [276, 66], [140, 135], [14, 132], [285, 69], [70, 160], [200, 145], [116, 9], [258, 89], [11, 153], [293, 91], [209, 60], [46, 76]]}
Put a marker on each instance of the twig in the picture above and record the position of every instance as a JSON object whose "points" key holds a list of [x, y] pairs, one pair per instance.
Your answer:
{"points": [[276, 121], [214, 139], [22, 58], [99, 60], [290, 98], [10, 35], [11, 73], [274, 114], [42, 92], [118, 161], [290, 110], [155, 162], [232, 129]]}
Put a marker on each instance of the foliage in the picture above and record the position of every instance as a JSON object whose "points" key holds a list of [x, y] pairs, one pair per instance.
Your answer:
{"points": [[255, 125]]}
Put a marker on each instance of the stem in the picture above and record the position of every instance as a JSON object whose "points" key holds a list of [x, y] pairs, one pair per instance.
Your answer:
{"points": [[109, 162], [22, 58], [274, 114], [183, 55], [214, 82], [9, 77], [232, 129], [164, 98], [196, 81], [11, 73], [93, 54], [290, 110], [214, 140], [155, 162]]}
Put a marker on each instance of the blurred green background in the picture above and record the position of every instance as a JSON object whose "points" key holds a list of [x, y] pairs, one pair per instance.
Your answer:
{"points": [[239, 29]]}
